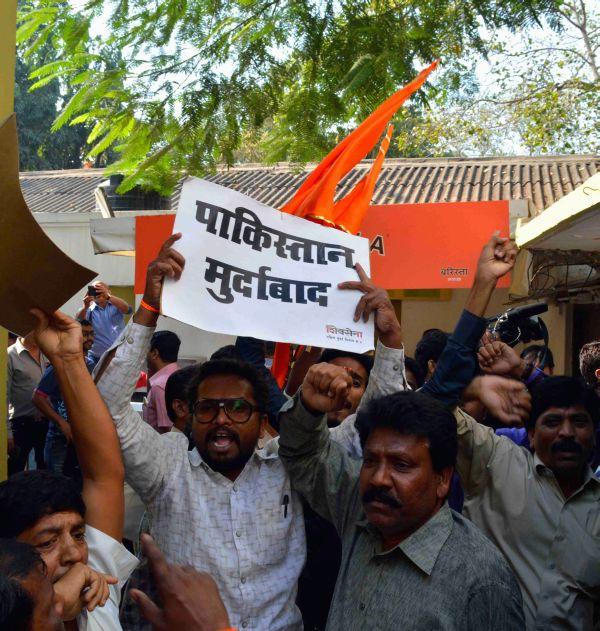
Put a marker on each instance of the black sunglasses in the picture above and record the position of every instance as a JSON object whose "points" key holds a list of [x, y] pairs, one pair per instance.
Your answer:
{"points": [[237, 410]]}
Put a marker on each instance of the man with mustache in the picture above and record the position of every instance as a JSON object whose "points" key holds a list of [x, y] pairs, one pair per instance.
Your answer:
{"points": [[408, 560], [541, 509]]}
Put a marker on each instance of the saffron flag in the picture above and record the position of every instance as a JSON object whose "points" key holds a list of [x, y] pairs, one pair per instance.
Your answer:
{"points": [[315, 198]]}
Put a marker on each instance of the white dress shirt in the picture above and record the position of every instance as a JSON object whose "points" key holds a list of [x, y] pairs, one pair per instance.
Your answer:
{"points": [[108, 556], [239, 532]]}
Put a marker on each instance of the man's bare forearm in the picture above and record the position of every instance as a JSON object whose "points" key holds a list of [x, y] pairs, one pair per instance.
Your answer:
{"points": [[91, 423], [97, 446], [145, 317], [120, 304]]}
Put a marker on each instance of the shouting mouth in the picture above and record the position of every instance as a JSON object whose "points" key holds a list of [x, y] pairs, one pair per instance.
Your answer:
{"points": [[222, 440]]}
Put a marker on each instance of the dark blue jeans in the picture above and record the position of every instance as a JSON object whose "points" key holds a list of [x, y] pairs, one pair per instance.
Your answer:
{"points": [[55, 451]]}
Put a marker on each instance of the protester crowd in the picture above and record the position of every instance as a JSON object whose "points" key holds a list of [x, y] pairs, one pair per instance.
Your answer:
{"points": [[455, 490]]}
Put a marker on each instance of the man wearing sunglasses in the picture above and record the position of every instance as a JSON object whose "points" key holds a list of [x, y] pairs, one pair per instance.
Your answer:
{"points": [[225, 507]]}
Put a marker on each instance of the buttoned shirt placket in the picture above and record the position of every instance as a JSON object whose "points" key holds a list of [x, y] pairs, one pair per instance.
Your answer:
{"points": [[232, 530], [561, 508]]}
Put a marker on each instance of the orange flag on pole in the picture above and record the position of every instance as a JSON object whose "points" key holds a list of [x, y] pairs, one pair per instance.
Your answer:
{"points": [[315, 198]]}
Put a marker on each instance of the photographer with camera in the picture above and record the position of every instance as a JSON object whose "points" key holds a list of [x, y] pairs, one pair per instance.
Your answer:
{"points": [[105, 312]]}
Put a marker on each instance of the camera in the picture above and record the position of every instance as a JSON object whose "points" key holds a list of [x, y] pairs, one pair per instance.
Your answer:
{"points": [[520, 324]]}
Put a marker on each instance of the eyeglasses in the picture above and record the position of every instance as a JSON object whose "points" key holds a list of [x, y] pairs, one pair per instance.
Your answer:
{"points": [[237, 410]]}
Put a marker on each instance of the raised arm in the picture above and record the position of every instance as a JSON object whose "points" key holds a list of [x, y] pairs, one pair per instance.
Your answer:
{"points": [[119, 303], [478, 445], [458, 362], [83, 310], [388, 374], [147, 456], [94, 435], [319, 468]]}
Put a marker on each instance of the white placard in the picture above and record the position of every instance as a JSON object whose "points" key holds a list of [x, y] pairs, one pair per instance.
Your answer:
{"points": [[251, 270]]}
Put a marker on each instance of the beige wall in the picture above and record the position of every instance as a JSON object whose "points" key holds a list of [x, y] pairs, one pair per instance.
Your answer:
{"points": [[416, 316]]}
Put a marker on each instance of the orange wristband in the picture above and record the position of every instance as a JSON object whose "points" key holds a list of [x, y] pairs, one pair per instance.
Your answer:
{"points": [[148, 307], [229, 629]]}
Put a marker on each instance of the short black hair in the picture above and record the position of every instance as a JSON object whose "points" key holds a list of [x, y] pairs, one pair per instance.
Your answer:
{"points": [[235, 367], [366, 361], [85, 322], [538, 350], [17, 561], [227, 352], [430, 346], [411, 364], [413, 414], [562, 392], [28, 496], [167, 344], [177, 387], [589, 362]]}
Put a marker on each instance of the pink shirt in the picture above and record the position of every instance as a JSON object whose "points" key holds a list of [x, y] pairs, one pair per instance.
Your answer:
{"points": [[155, 410]]}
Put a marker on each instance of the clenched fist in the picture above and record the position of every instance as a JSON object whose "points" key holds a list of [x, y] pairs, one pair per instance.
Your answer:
{"points": [[325, 388]]}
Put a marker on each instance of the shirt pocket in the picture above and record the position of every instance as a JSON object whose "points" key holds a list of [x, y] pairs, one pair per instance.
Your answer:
{"points": [[275, 532]]}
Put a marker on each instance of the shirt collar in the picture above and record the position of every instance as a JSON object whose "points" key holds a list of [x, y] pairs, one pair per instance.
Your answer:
{"points": [[21, 349], [19, 346], [423, 546], [165, 371], [543, 470]]}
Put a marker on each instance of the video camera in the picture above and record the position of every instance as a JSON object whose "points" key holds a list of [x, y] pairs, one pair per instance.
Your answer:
{"points": [[520, 324]]}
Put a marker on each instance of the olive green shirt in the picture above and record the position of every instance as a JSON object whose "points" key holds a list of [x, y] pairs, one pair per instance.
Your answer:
{"points": [[445, 576], [551, 543]]}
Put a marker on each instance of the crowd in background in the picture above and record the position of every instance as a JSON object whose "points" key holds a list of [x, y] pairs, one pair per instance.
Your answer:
{"points": [[452, 490]]}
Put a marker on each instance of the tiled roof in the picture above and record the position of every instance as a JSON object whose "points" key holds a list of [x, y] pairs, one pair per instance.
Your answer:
{"points": [[70, 191], [543, 180]]}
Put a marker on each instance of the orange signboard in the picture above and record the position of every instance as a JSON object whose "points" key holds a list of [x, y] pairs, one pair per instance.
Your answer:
{"points": [[431, 246], [150, 233], [413, 246]]}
